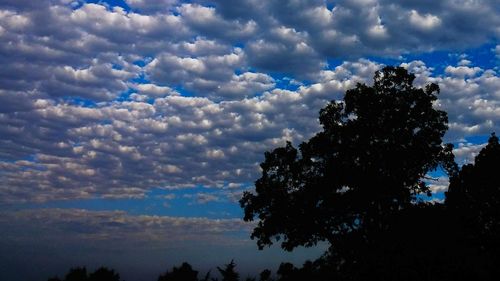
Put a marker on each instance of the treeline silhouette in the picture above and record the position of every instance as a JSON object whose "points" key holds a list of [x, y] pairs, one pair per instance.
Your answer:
{"points": [[80, 274], [361, 185], [184, 272]]}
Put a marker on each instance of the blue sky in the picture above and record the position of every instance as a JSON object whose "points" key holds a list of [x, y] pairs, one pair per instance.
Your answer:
{"points": [[129, 129]]}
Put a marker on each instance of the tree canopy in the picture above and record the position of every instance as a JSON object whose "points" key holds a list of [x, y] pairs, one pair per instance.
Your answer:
{"points": [[368, 162], [80, 274], [228, 273], [474, 196], [183, 273]]}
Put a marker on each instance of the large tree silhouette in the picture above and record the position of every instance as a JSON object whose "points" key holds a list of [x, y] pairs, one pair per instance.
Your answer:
{"points": [[369, 161], [475, 192], [474, 198]]}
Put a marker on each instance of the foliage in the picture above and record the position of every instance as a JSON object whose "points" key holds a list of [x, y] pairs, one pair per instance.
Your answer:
{"points": [[104, 274], [228, 273], [474, 196], [183, 273], [265, 275], [367, 163], [76, 274], [80, 274]]}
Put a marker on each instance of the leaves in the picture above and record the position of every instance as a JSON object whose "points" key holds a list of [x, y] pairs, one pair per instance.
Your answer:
{"points": [[368, 162]]}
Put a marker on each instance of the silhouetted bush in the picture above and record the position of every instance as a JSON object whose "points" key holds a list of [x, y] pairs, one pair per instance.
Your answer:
{"points": [[228, 273], [183, 273], [104, 274], [265, 275], [80, 274], [77, 274]]}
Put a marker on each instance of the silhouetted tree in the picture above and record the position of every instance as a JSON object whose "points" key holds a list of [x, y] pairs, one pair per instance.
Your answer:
{"points": [[228, 273], [286, 272], [183, 273], [265, 275], [76, 274], [309, 271], [207, 276], [367, 163], [422, 242], [104, 274], [474, 198], [475, 192], [453, 241]]}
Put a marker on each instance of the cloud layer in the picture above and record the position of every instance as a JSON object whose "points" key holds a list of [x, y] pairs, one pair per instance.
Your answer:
{"points": [[110, 102]]}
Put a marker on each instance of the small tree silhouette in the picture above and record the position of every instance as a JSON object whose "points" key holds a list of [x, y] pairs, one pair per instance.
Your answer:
{"points": [[183, 273], [104, 274], [228, 273], [265, 275], [76, 274]]}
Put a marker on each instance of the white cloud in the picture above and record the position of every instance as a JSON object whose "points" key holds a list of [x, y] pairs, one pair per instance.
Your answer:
{"points": [[439, 185], [424, 22], [215, 154], [152, 90], [203, 198], [13, 20], [207, 21], [466, 152], [462, 71]]}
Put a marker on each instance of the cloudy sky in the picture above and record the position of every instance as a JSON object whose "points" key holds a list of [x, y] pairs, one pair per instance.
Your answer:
{"points": [[130, 128]]}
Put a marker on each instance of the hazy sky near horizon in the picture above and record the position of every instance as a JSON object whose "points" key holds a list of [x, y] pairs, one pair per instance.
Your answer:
{"points": [[130, 128]]}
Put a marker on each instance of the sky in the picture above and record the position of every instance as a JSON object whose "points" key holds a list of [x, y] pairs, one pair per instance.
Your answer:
{"points": [[129, 129]]}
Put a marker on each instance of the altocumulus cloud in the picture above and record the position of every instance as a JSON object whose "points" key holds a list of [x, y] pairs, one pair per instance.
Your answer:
{"points": [[121, 149], [106, 226], [102, 101]]}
